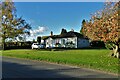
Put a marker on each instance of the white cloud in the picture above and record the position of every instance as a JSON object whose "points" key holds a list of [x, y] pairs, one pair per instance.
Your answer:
{"points": [[39, 30]]}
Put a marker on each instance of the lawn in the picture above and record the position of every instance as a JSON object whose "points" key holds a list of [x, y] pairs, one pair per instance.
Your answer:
{"points": [[0, 52], [98, 59]]}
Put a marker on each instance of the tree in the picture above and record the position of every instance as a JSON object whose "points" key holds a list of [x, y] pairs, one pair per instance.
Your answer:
{"points": [[63, 31], [39, 39], [11, 25], [104, 26], [0, 26], [83, 23], [34, 41]]}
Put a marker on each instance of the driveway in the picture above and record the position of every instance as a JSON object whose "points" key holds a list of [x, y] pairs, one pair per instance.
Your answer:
{"points": [[23, 68]]}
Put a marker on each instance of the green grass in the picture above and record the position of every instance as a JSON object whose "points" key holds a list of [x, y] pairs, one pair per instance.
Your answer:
{"points": [[94, 59], [0, 52]]}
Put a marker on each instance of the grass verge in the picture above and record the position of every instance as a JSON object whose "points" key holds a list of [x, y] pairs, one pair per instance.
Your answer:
{"points": [[0, 52], [94, 59]]}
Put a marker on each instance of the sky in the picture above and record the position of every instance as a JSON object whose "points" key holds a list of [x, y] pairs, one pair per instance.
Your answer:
{"points": [[45, 17]]}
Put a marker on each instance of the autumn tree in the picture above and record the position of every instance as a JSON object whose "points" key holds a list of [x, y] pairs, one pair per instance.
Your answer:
{"points": [[104, 26], [12, 26]]}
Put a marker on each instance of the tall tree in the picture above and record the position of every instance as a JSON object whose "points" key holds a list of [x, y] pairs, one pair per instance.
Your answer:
{"points": [[104, 26], [11, 25], [83, 25], [39, 39], [0, 25]]}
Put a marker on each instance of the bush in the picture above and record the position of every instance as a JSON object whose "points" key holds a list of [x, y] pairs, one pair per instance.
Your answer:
{"points": [[18, 45], [100, 44]]}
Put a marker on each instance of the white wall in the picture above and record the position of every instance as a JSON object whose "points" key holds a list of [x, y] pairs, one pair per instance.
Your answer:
{"points": [[79, 43], [74, 40], [49, 42]]}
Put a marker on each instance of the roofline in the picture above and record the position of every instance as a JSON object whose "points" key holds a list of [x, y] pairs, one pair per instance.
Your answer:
{"points": [[65, 36]]}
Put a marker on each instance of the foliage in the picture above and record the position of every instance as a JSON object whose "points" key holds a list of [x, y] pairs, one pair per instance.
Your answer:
{"points": [[95, 58], [18, 45], [83, 23], [99, 44], [34, 41], [39, 39], [103, 25], [0, 25], [12, 26], [110, 45]]}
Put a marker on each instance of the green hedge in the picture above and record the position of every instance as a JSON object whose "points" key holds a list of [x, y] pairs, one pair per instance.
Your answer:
{"points": [[18, 45]]}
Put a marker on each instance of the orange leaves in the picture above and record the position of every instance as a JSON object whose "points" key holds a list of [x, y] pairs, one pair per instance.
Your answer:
{"points": [[104, 24]]}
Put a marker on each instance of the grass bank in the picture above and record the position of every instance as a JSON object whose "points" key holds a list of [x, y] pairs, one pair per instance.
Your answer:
{"points": [[94, 59]]}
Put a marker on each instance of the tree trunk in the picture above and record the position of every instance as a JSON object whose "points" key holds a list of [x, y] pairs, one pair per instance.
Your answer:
{"points": [[116, 52], [3, 46], [3, 43]]}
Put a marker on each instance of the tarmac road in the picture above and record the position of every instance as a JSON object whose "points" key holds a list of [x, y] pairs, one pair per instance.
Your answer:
{"points": [[23, 68]]}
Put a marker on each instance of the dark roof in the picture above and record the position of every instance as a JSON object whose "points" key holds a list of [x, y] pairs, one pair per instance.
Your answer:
{"points": [[73, 34], [65, 35]]}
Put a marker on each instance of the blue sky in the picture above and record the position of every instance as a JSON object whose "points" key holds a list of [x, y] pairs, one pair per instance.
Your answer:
{"points": [[53, 16]]}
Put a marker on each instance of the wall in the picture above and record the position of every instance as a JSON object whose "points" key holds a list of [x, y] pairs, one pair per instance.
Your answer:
{"points": [[48, 42], [74, 40], [52, 42], [82, 43], [79, 43]]}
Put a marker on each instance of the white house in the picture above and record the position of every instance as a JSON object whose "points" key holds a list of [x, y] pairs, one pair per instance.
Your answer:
{"points": [[70, 39]]}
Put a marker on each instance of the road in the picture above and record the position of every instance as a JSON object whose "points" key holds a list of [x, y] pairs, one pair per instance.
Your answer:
{"points": [[23, 68]]}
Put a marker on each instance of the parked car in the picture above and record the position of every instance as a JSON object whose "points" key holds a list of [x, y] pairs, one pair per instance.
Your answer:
{"points": [[37, 46]]}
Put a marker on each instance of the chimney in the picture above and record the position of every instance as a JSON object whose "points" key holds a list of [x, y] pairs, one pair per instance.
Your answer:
{"points": [[51, 33], [72, 30]]}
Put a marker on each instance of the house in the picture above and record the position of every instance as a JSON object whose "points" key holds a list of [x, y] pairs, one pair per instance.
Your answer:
{"points": [[70, 39]]}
